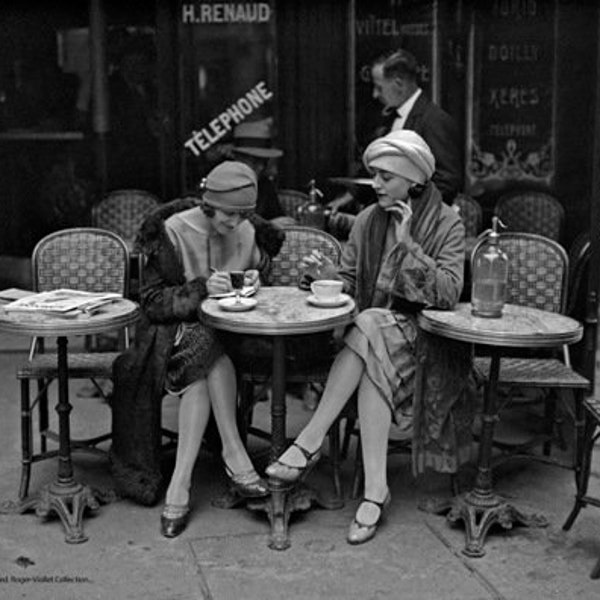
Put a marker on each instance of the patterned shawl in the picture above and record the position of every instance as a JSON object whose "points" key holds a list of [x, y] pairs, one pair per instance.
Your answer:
{"points": [[445, 391], [423, 230]]}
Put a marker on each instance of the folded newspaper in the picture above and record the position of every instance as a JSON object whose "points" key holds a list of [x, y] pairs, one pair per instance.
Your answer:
{"points": [[63, 302]]}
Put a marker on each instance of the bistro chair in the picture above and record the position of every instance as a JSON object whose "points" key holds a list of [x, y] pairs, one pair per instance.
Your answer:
{"points": [[86, 259], [579, 260], [531, 212], [122, 212], [537, 277], [584, 461], [578, 300], [285, 271], [291, 201]]}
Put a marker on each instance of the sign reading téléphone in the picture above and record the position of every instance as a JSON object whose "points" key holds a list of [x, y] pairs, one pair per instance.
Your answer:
{"points": [[202, 140]]}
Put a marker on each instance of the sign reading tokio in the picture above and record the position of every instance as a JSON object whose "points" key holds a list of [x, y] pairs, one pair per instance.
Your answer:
{"points": [[202, 140]]}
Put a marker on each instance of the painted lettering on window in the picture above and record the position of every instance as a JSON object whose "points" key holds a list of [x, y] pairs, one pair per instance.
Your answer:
{"points": [[200, 141], [510, 130], [514, 53], [515, 97], [225, 12]]}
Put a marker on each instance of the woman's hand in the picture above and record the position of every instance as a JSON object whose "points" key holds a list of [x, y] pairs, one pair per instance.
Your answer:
{"points": [[219, 283], [402, 217], [318, 266], [251, 278]]}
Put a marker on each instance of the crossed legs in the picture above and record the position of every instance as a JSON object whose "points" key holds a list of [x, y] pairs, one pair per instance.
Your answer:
{"points": [[217, 391], [348, 374]]}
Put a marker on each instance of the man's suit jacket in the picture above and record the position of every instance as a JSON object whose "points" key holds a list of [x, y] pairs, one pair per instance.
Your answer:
{"points": [[440, 132]]}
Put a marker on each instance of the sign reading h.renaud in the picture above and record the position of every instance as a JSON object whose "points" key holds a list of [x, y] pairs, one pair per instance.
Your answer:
{"points": [[202, 140], [226, 12]]}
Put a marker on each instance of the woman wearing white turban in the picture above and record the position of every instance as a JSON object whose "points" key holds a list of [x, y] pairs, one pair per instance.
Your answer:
{"points": [[405, 252]]}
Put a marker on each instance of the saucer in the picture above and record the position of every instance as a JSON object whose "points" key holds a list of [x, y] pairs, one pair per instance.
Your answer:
{"points": [[329, 303], [230, 305], [247, 290]]}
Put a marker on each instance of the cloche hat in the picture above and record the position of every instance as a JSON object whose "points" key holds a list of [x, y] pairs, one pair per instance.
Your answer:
{"points": [[231, 185]]}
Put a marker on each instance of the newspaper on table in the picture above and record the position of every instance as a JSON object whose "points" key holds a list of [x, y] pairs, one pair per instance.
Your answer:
{"points": [[63, 302]]}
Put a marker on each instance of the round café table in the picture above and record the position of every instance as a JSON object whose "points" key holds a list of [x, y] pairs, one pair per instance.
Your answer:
{"points": [[280, 312], [518, 327], [65, 496]]}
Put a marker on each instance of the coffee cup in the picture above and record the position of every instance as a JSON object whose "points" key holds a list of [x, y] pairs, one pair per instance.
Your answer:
{"points": [[326, 289]]}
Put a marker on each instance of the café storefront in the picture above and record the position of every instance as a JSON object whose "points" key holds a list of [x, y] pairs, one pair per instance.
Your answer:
{"points": [[519, 77]]}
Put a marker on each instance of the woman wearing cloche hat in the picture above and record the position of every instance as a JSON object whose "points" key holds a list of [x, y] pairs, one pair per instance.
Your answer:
{"points": [[405, 252], [191, 245]]}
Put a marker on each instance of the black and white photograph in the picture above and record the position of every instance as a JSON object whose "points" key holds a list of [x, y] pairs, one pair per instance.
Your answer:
{"points": [[299, 300]]}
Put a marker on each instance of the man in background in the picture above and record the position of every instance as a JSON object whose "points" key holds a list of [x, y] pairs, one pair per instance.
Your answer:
{"points": [[405, 106]]}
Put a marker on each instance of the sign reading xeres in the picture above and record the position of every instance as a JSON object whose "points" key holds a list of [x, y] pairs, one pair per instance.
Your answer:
{"points": [[512, 79]]}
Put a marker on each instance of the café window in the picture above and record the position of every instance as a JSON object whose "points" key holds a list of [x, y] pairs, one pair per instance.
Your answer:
{"points": [[512, 73], [227, 67]]}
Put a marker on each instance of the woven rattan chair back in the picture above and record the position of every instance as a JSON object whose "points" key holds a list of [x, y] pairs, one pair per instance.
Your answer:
{"points": [[86, 258], [299, 242], [538, 271], [122, 211], [291, 200], [531, 212], [471, 213]]}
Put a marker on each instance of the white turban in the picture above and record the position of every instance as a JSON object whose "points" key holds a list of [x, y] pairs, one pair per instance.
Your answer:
{"points": [[401, 152]]}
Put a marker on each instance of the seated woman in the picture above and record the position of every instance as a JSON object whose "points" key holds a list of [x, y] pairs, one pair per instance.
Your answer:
{"points": [[191, 247], [404, 253]]}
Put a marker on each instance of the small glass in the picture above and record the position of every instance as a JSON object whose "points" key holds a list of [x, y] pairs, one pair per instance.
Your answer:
{"points": [[237, 283]]}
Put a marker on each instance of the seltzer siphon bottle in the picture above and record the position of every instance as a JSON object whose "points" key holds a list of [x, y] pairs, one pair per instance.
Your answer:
{"points": [[490, 275]]}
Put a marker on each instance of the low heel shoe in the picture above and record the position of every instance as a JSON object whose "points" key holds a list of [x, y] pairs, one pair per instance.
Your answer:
{"points": [[360, 532], [174, 519]]}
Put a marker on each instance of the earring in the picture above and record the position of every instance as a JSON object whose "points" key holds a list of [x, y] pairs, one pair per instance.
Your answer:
{"points": [[415, 190]]}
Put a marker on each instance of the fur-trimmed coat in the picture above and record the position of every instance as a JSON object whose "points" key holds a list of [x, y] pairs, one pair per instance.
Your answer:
{"points": [[139, 373]]}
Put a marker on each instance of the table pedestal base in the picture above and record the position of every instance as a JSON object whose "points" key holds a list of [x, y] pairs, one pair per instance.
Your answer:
{"points": [[68, 500], [283, 503], [480, 511]]}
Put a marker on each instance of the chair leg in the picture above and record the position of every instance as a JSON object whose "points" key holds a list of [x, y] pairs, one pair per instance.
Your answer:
{"points": [[246, 409], [42, 413], [585, 447], [348, 431], [595, 574], [549, 423], [334, 457], [579, 443], [357, 478], [454, 484], [26, 440]]}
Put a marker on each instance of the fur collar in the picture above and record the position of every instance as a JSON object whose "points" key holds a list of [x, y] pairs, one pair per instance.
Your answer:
{"points": [[152, 232]]}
